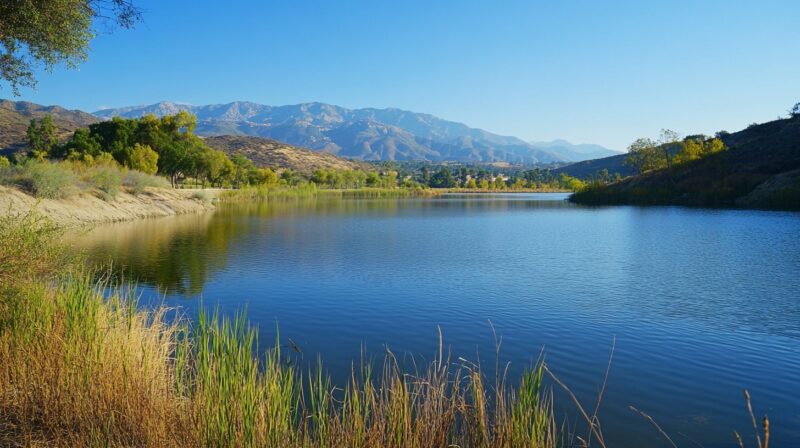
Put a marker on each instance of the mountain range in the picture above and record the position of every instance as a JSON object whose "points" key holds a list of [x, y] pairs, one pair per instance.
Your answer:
{"points": [[367, 134]]}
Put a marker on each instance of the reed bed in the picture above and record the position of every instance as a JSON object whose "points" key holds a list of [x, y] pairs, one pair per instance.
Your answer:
{"points": [[82, 365]]}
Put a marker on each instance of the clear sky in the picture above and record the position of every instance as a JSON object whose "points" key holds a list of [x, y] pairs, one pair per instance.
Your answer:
{"points": [[588, 71]]}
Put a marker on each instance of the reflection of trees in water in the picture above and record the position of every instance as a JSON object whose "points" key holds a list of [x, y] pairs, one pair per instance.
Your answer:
{"points": [[180, 254], [176, 254]]}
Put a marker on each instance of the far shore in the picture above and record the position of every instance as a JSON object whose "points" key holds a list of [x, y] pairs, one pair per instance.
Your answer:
{"points": [[521, 190]]}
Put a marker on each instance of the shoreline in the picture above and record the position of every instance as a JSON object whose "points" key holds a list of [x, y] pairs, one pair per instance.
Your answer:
{"points": [[87, 209]]}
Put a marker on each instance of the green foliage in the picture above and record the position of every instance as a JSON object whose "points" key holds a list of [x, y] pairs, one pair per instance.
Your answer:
{"points": [[343, 178], [443, 179], [4, 162], [82, 143], [107, 179], [143, 158], [51, 32], [42, 179], [42, 137], [643, 154], [242, 166]]}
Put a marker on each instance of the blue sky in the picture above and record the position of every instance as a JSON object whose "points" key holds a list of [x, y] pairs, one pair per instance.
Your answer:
{"points": [[602, 72]]}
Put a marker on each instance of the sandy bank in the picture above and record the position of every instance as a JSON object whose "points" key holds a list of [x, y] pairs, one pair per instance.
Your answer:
{"points": [[86, 208]]}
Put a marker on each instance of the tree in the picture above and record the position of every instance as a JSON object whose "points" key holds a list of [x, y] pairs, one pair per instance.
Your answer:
{"points": [[241, 169], [263, 176], [42, 137], [426, 176], [144, 159], [795, 111], [443, 179], [83, 142], [52, 32], [288, 176], [642, 155], [213, 166], [4, 162], [667, 141]]}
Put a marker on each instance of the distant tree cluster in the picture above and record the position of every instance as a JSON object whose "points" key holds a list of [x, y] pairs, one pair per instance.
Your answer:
{"points": [[645, 154], [166, 146], [484, 178], [354, 178]]}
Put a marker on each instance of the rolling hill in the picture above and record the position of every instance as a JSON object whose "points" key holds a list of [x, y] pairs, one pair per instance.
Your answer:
{"points": [[15, 116], [279, 156], [760, 170], [366, 134]]}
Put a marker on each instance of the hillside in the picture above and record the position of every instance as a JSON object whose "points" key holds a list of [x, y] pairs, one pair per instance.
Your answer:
{"points": [[588, 168], [15, 116], [760, 170], [366, 134], [280, 156]]}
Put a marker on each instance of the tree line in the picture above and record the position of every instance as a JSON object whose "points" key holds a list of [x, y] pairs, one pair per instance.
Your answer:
{"points": [[481, 178], [166, 146]]}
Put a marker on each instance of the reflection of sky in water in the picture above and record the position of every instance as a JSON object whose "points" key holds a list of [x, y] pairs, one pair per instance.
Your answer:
{"points": [[702, 302]]}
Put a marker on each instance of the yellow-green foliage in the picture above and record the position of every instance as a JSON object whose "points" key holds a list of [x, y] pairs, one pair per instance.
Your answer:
{"points": [[144, 159]]}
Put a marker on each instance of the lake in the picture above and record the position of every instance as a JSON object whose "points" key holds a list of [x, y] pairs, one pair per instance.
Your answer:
{"points": [[702, 303]]}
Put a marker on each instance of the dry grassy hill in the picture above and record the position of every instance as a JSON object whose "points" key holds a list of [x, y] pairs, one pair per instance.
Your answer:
{"points": [[15, 116], [280, 156], [760, 170]]}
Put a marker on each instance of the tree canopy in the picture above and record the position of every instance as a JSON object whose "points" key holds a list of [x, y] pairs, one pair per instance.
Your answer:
{"points": [[51, 32]]}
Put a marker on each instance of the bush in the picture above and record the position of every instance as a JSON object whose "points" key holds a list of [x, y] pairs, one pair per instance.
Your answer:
{"points": [[200, 196], [137, 182], [42, 179], [107, 179]]}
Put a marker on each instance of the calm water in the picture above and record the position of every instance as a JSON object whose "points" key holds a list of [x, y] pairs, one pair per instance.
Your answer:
{"points": [[702, 303]]}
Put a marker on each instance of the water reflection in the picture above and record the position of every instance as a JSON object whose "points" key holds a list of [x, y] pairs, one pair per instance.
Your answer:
{"points": [[178, 255]]}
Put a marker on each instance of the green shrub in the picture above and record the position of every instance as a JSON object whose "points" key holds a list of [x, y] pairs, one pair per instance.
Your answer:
{"points": [[106, 179], [200, 196], [42, 179], [137, 182]]}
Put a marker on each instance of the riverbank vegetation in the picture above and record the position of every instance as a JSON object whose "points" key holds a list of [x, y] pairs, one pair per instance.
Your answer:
{"points": [[59, 180]]}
